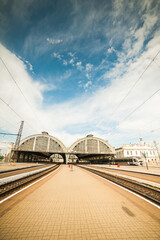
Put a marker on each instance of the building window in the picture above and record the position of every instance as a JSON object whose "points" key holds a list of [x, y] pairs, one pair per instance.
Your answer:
{"points": [[131, 152], [151, 152], [136, 153], [127, 152]]}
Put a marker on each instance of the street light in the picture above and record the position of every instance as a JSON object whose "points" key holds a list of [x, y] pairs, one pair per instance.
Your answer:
{"points": [[146, 155]]}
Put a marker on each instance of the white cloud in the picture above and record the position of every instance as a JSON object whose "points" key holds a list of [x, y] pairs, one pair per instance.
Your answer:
{"points": [[57, 55], [4, 147], [80, 83], [71, 54], [88, 110], [87, 84], [87, 75], [30, 65], [111, 49], [74, 62], [71, 61], [89, 67], [47, 87], [65, 62], [9, 92], [54, 41], [79, 65]]}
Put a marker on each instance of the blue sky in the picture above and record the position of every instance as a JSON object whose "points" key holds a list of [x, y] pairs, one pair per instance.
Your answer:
{"points": [[75, 61]]}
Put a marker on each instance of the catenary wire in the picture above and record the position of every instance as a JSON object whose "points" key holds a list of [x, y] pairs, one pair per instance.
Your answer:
{"points": [[6, 126], [38, 120], [138, 108], [6, 121], [130, 90], [141, 105], [15, 112]]}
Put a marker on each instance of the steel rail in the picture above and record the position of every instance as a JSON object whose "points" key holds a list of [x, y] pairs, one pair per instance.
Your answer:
{"points": [[19, 169], [126, 170], [7, 187], [145, 190]]}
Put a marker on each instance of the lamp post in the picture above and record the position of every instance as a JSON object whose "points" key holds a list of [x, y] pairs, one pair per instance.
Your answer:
{"points": [[145, 155], [156, 146]]}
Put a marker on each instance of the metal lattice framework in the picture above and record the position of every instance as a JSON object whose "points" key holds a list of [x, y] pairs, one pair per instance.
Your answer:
{"points": [[46, 143], [44, 146], [91, 145], [42, 143], [19, 135]]}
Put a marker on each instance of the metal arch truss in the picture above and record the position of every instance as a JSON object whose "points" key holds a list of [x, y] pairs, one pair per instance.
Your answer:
{"points": [[44, 145]]}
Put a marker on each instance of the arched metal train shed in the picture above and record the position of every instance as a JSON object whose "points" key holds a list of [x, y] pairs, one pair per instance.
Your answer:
{"points": [[40, 147]]}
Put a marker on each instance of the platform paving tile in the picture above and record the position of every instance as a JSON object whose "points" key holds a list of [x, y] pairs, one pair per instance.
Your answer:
{"points": [[77, 205]]}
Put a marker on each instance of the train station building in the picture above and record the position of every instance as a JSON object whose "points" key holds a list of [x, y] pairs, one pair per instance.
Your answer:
{"points": [[142, 150], [41, 147]]}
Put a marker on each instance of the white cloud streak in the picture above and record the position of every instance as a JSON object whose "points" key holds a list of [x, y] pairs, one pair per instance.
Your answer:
{"points": [[54, 41], [95, 110], [89, 109], [111, 49], [57, 55], [89, 67]]}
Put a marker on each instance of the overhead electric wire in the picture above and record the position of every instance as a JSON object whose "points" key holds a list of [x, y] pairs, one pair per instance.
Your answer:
{"points": [[10, 108], [153, 120], [8, 133], [6, 121], [6, 141], [138, 108], [140, 105], [157, 63], [130, 90], [151, 132], [13, 78], [15, 112], [154, 130], [5, 127], [38, 120]]}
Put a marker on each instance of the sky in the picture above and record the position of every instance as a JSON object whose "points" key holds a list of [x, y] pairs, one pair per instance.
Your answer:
{"points": [[76, 67]]}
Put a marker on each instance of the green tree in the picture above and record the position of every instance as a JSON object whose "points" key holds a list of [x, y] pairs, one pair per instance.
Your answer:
{"points": [[1, 157]]}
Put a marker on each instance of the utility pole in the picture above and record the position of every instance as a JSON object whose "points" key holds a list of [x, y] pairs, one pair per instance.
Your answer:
{"points": [[16, 145], [156, 146], [18, 139]]}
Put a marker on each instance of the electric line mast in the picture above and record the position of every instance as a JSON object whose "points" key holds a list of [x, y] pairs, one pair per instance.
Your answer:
{"points": [[18, 139], [14, 154]]}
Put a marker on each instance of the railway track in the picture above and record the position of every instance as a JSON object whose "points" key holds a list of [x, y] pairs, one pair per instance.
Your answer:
{"points": [[126, 170], [145, 190], [14, 184], [129, 173], [5, 171], [9, 173]]}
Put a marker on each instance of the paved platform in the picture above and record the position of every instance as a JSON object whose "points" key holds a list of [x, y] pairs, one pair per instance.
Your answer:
{"points": [[143, 169], [78, 205], [8, 166], [140, 180]]}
